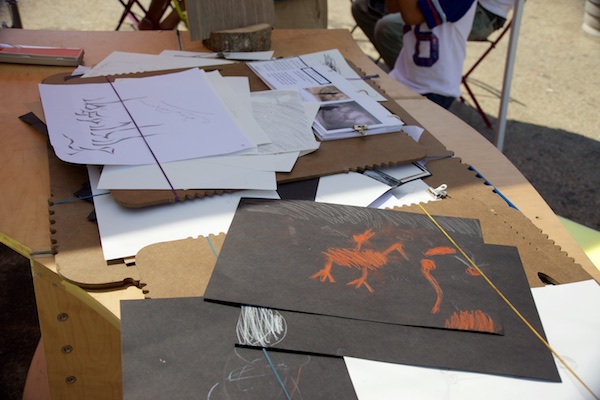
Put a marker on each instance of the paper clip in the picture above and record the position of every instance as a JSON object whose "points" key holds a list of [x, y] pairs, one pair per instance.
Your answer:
{"points": [[361, 128], [439, 192]]}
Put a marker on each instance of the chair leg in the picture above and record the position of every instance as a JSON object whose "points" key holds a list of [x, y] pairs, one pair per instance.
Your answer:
{"points": [[14, 14], [128, 13], [156, 10], [477, 106], [465, 78]]}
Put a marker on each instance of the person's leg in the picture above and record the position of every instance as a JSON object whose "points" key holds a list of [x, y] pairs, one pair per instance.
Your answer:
{"points": [[443, 101], [482, 27], [388, 38], [365, 17]]}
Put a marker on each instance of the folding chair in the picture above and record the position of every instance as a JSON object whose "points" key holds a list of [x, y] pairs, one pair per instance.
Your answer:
{"points": [[15, 16], [492, 46], [127, 12], [153, 16]]}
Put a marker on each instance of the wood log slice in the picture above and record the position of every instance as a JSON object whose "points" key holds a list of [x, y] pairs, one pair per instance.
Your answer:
{"points": [[250, 38]]}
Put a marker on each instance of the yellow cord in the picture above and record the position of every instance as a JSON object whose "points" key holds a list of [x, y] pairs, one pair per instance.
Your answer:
{"points": [[535, 332]]}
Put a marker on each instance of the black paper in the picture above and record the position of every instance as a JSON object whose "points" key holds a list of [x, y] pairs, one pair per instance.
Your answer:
{"points": [[352, 262], [184, 348]]}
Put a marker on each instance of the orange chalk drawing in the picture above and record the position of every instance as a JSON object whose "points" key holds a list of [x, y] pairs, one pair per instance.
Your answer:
{"points": [[429, 265], [365, 260], [440, 251], [472, 271], [426, 267], [471, 320], [369, 260]]}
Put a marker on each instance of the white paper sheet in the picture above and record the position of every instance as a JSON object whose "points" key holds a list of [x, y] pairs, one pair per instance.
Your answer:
{"points": [[88, 123], [336, 61], [240, 112], [282, 116], [231, 55], [255, 172], [344, 112], [413, 192], [120, 62], [191, 174], [569, 313], [413, 131], [124, 231], [352, 189]]}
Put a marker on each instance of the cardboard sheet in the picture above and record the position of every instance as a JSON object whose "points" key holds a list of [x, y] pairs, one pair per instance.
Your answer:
{"points": [[331, 158], [79, 259]]}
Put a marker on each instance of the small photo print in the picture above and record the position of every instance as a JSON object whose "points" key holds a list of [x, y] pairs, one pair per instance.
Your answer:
{"points": [[327, 93], [344, 115]]}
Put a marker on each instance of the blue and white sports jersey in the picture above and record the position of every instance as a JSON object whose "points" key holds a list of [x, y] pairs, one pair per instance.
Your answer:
{"points": [[433, 53]]}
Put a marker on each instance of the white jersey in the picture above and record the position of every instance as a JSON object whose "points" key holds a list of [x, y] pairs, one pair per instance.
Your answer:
{"points": [[431, 60]]}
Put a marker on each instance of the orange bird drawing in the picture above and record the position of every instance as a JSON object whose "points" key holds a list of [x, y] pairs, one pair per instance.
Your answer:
{"points": [[365, 260]]}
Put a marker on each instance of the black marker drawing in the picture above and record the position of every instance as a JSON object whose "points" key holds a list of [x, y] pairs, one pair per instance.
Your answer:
{"points": [[109, 123]]}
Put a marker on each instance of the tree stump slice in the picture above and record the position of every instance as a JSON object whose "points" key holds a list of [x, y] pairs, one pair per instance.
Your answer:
{"points": [[249, 38]]}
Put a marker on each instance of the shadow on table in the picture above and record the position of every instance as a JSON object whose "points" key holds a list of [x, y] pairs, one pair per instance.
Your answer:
{"points": [[561, 165]]}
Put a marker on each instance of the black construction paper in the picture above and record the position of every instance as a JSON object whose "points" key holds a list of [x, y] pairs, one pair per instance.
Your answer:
{"points": [[184, 348], [353, 262], [516, 353]]}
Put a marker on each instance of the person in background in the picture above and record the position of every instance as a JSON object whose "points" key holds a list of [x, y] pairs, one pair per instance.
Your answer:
{"points": [[434, 46], [489, 17], [384, 28]]}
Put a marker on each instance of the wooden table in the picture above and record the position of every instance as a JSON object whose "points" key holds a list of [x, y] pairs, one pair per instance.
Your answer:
{"points": [[80, 329]]}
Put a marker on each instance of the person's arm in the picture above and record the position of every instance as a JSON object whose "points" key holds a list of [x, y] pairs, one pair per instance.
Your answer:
{"points": [[410, 10]]}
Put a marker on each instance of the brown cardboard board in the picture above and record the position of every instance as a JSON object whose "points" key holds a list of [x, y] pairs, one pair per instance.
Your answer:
{"points": [[76, 241], [333, 157], [164, 262], [79, 257]]}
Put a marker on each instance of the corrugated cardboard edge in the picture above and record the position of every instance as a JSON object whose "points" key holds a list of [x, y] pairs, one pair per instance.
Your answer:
{"points": [[180, 268], [75, 240]]}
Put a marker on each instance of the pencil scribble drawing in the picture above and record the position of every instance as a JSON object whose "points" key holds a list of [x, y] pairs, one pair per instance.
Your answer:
{"points": [[258, 326], [109, 122], [255, 378]]}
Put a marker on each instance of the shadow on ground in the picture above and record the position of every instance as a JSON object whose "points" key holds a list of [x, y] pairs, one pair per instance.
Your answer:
{"points": [[18, 322], [561, 165]]}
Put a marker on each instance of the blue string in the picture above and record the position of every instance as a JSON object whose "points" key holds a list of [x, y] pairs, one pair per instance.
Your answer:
{"points": [[494, 188], [212, 247], [287, 396], [79, 198]]}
